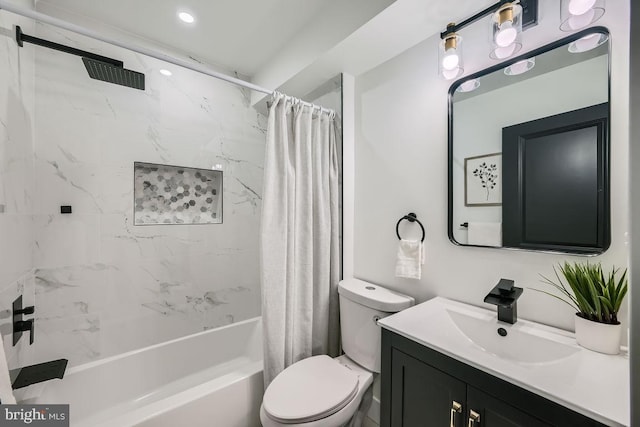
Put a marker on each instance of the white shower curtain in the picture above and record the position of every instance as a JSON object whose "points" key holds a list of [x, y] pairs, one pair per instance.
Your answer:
{"points": [[300, 236]]}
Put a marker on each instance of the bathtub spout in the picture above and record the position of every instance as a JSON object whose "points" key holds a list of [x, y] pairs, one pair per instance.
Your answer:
{"points": [[34, 374]]}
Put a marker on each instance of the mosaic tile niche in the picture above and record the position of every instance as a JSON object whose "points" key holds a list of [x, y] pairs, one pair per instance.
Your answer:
{"points": [[176, 195]]}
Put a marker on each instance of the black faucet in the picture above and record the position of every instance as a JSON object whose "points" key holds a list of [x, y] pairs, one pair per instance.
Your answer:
{"points": [[505, 295], [19, 324]]}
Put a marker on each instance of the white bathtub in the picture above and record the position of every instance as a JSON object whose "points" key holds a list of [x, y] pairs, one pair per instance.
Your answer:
{"points": [[212, 378]]}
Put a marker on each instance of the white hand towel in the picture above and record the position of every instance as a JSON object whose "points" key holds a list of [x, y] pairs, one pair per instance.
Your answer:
{"points": [[6, 392], [485, 234], [410, 259]]}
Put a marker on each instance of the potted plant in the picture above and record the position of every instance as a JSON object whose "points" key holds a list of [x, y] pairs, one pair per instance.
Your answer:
{"points": [[597, 298]]}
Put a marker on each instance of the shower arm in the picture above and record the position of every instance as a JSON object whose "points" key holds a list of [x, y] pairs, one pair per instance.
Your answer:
{"points": [[22, 37], [200, 68]]}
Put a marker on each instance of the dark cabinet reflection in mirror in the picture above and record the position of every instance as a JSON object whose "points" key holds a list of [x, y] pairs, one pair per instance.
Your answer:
{"points": [[546, 128], [555, 174]]}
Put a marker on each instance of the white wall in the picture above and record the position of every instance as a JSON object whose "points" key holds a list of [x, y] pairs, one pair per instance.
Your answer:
{"points": [[401, 167], [103, 285], [478, 121], [16, 180]]}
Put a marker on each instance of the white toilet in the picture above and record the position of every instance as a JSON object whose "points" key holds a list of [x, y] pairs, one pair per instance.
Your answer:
{"points": [[323, 392]]}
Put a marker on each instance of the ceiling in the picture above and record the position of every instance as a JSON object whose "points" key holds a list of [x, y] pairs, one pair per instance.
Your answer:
{"points": [[290, 45], [239, 35]]}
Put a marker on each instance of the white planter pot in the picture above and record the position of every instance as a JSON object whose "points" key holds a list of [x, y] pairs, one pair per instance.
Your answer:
{"points": [[597, 336]]}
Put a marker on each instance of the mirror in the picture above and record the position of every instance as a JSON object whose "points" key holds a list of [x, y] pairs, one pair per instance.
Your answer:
{"points": [[528, 150]]}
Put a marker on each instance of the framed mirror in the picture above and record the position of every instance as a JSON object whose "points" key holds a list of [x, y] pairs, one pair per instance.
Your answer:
{"points": [[529, 150]]}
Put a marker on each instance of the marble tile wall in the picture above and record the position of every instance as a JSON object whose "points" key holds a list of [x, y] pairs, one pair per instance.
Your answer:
{"points": [[16, 181], [103, 285]]}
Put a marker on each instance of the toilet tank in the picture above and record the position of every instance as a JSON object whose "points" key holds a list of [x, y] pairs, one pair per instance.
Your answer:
{"points": [[361, 305]]}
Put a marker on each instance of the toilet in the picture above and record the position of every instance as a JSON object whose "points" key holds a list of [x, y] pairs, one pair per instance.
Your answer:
{"points": [[323, 392]]}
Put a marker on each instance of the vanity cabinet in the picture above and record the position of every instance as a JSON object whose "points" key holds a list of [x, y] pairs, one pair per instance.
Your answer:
{"points": [[422, 387]]}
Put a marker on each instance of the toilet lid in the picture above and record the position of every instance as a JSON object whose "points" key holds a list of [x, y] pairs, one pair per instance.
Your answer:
{"points": [[309, 390]]}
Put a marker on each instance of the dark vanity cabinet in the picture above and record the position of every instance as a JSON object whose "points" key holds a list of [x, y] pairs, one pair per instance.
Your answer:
{"points": [[422, 387]]}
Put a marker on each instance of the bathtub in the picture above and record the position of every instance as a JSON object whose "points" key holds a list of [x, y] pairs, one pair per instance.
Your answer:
{"points": [[212, 378]]}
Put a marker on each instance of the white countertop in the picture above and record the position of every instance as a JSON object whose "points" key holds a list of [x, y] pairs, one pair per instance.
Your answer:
{"points": [[590, 383]]}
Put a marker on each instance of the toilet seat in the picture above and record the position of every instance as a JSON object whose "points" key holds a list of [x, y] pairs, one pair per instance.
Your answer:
{"points": [[309, 390]]}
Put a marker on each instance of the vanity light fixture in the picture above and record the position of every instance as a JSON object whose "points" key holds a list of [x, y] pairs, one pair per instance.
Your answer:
{"points": [[577, 14], [469, 86], [508, 19], [520, 67], [506, 27], [588, 42], [450, 55]]}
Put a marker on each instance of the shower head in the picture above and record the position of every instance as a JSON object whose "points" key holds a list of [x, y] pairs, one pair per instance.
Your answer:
{"points": [[99, 67], [100, 70]]}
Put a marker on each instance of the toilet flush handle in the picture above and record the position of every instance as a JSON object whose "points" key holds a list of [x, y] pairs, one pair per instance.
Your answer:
{"points": [[375, 319]]}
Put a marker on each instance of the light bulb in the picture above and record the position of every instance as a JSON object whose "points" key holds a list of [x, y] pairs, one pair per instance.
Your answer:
{"points": [[580, 7], [451, 74], [580, 21], [587, 43], [469, 86], [504, 52], [520, 67], [506, 34], [450, 60]]}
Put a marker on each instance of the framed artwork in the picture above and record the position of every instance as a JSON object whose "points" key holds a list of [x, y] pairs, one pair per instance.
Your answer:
{"points": [[167, 194], [483, 180]]}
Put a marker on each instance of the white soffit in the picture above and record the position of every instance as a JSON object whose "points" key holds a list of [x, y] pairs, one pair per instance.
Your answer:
{"points": [[397, 28]]}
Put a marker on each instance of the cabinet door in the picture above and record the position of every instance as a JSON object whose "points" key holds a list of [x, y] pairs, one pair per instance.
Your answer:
{"points": [[422, 396], [496, 413]]}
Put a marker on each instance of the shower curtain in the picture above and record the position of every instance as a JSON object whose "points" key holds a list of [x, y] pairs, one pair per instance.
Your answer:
{"points": [[300, 261]]}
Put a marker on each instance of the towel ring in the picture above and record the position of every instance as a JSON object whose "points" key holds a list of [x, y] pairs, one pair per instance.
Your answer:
{"points": [[411, 217]]}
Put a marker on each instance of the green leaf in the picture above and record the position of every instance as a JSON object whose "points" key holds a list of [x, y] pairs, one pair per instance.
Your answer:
{"points": [[557, 297], [596, 295]]}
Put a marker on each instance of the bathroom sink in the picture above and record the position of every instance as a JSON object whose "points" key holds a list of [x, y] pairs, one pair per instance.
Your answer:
{"points": [[544, 360], [509, 341], [463, 328]]}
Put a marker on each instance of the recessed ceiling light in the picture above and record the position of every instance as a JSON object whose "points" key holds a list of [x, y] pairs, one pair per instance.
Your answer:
{"points": [[165, 72], [186, 17]]}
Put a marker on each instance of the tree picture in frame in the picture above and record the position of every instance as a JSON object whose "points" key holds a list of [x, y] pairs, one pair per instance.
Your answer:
{"points": [[483, 180]]}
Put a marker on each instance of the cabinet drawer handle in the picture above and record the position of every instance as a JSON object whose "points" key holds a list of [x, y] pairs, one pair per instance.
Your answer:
{"points": [[474, 418], [456, 408]]}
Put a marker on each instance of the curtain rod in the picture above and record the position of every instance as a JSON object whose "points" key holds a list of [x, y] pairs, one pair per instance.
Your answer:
{"points": [[6, 5], [28, 13]]}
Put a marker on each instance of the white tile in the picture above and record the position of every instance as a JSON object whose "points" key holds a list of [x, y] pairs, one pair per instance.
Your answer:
{"points": [[16, 247], [66, 240], [76, 338], [103, 285]]}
